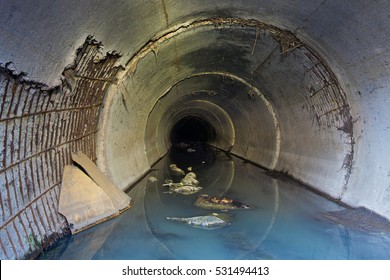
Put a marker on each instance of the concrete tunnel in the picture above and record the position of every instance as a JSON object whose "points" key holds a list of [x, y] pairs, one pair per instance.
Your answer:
{"points": [[299, 87]]}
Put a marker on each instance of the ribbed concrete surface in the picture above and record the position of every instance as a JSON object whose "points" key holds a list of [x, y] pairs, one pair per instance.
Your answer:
{"points": [[296, 86], [39, 130]]}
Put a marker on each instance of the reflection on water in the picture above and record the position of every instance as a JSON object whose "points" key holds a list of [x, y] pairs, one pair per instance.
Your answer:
{"points": [[286, 221]]}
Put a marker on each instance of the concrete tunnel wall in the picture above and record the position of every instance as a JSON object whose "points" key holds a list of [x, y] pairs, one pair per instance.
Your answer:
{"points": [[298, 87]]}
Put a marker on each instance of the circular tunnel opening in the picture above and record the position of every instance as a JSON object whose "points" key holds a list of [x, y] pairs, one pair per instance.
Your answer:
{"points": [[223, 91], [192, 129], [274, 85]]}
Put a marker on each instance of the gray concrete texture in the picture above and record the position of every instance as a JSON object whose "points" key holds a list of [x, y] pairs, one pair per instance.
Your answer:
{"points": [[294, 86]]}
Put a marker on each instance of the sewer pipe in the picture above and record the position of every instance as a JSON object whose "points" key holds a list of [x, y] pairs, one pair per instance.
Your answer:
{"points": [[297, 87]]}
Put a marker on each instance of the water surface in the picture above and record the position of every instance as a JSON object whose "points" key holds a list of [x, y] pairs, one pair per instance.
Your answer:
{"points": [[286, 220]]}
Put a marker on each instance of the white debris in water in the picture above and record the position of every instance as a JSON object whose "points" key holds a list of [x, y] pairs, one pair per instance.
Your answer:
{"points": [[152, 179], [176, 170], [205, 222], [190, 179]]}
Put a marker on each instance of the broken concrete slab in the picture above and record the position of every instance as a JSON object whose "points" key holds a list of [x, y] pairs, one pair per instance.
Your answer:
{"points": [[120, 200], [86, 200], [82, 201]]}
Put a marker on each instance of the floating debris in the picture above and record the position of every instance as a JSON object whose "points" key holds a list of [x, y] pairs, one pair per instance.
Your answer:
{"points": [[152, 179], [190, 179], [211, 202], [188, 185], [180, 188], [167, 183], [186, 190], [191, 150], [211, 221], [176, 170]]}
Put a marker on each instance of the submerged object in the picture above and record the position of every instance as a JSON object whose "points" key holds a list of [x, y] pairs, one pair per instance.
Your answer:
{"points": [[176, 170], [224, 203], [211, 221]]}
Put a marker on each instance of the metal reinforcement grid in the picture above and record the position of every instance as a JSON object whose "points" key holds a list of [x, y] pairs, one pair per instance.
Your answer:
{"points": [[39, 128]]}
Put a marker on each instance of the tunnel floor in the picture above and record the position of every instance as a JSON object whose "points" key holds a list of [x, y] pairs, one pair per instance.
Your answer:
{"points": [[286, 220]]}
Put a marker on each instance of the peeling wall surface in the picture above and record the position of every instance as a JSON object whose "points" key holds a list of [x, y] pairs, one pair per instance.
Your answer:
{"points": [[294, 86]]}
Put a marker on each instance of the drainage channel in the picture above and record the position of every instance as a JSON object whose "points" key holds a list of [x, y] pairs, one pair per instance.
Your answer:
{"points": [[285, 220]]}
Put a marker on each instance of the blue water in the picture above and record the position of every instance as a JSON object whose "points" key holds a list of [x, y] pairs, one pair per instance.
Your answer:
{"points": [[286, 220]]}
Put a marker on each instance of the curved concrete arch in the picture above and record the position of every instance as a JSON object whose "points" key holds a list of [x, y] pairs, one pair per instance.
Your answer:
{"points": [[217, 118], [209, 91], [160, 64], [321, 66]]}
